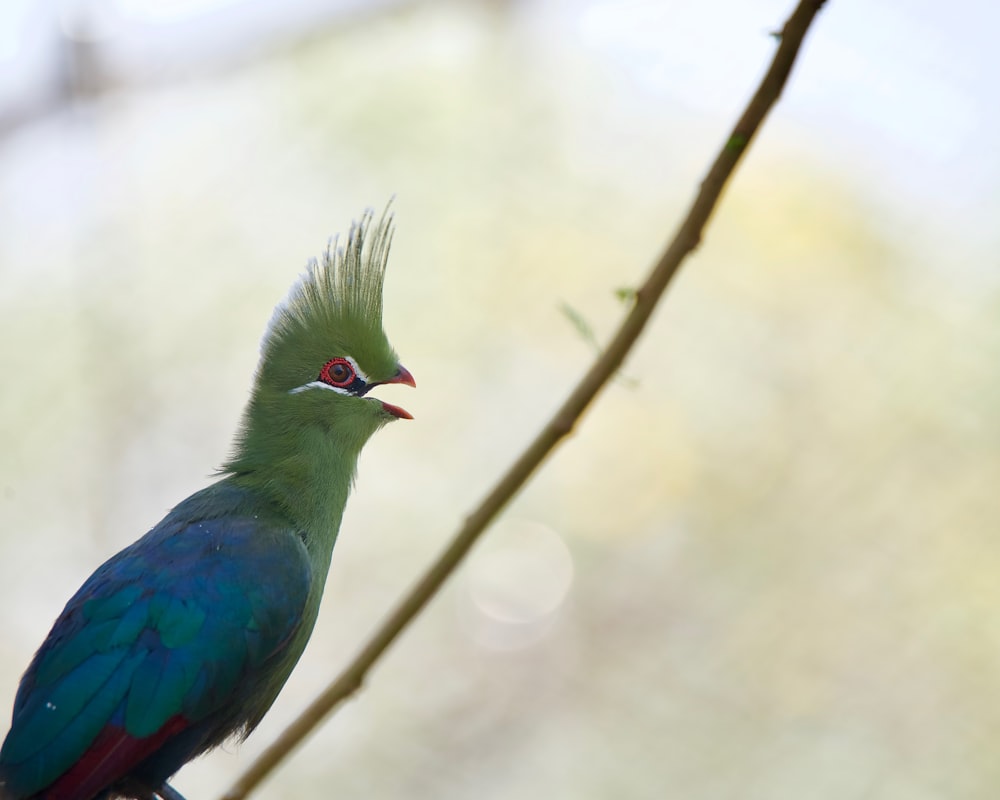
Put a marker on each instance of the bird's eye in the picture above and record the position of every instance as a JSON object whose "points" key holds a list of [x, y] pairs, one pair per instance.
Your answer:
{"points": [[337, 372]]}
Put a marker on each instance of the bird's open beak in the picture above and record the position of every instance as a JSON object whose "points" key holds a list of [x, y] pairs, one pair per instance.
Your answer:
{"points": [[402, 376]]}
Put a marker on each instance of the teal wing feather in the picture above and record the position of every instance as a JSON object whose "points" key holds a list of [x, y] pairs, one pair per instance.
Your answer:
{"points": [[171, 639]]}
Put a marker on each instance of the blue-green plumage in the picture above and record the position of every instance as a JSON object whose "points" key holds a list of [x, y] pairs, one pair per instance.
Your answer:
{"points": [[184, 638]]}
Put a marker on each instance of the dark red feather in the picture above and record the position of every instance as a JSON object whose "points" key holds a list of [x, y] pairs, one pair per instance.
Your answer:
{"points": [[110, 758]]}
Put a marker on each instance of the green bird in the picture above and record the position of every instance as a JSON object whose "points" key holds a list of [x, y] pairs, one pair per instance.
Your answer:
{"points": [[185, 638]]}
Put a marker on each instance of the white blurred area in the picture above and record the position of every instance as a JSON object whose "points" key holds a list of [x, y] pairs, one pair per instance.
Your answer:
{"points": [[765, 565]]}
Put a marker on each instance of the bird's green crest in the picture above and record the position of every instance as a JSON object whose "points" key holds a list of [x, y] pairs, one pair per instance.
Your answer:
{"points": [[335, 309], [324, 349]]}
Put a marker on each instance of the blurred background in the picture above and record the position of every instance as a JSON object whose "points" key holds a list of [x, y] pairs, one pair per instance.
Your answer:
{"points": [[766, 565]]}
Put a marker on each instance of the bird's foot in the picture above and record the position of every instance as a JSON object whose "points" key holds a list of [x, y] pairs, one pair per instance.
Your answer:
{"points": [[168, 792], [142, 791]]}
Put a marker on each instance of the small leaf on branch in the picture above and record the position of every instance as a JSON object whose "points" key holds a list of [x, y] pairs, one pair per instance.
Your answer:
{"points": [[736, 143], [627, 294], [587, 334], [582, 326]]}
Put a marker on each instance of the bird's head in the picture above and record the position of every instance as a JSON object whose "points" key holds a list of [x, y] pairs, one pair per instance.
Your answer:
{"points": [[325, 349]]}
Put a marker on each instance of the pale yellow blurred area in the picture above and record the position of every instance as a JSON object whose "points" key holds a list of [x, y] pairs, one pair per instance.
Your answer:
{"points": [[766, 563]]}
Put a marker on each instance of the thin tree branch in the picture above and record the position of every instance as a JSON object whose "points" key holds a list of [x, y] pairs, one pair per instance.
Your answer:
{"points": [[685, 240]]}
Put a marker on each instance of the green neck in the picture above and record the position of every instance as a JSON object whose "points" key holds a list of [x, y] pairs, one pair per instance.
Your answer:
{"points": [[304, 469]]}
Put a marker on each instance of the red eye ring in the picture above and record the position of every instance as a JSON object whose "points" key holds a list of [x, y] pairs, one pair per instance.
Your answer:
{"points": [[337, 372]]}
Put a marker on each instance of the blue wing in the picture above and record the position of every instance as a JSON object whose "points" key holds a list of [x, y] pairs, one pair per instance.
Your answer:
{"points": [[165, 635]]}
